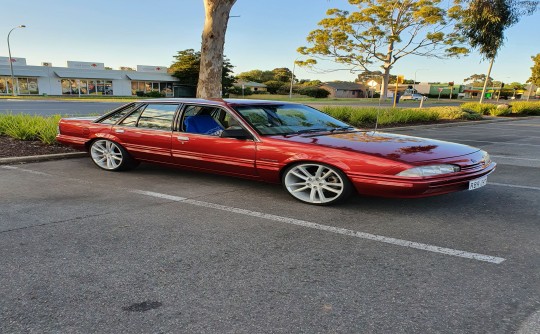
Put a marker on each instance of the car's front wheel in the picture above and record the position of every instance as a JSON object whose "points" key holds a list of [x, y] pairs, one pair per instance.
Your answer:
{"points": [[110, 156], [316, 183]]}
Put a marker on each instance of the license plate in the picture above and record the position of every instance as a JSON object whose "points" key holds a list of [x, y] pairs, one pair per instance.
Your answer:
{"points": [[478, 183]]}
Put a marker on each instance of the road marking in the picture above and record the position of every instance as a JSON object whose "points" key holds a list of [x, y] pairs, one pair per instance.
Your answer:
{"points": [[513, 158], [513, 186], [25, 170], [332, 229], [497, 142]]}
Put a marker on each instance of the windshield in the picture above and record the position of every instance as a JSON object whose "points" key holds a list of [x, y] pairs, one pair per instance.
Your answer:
{"points": [[288, 119]]}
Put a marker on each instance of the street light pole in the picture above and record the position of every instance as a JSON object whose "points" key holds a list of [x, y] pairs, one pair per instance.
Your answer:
{"points": [[292, 77], [13, 90], [420, 69]]}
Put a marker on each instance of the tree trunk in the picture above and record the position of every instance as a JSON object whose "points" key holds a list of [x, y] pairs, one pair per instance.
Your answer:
{"points": [[385, 83], [213, 41], [486, 81], [386, 77]]}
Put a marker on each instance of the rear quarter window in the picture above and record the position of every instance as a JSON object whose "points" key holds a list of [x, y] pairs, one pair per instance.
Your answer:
{"points": [[119, 114]]}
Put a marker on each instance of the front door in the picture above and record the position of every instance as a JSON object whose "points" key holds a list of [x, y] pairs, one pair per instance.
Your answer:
{"points": [[197, 144]]}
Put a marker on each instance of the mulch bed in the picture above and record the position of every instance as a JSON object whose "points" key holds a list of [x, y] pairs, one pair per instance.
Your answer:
{"points": [[10, 147]]}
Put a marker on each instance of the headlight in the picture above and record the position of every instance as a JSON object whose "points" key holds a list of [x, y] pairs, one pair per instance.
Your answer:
{"points": [[486, 159], [430, 170]]}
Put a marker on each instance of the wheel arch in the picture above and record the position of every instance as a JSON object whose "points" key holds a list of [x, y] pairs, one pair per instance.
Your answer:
{"points": [[330, 162], [99, 136]]}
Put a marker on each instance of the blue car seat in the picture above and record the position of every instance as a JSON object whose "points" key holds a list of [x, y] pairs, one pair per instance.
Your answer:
{"points": [[203, 124]]}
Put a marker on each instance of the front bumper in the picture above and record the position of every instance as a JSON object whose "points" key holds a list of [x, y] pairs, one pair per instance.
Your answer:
{"points": [[400, 187]]}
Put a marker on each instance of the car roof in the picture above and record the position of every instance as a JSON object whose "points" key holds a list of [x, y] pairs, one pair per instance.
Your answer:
{"points": [[217, 102]]}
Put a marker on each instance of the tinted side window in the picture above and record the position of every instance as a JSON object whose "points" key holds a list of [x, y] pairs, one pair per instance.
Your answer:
{"points": [[113, 118], [158, 116], [132, 119]]}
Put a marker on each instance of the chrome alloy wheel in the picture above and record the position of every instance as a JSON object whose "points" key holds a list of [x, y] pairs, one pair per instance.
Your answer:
{"points": [[316, 183], [107, 154]]}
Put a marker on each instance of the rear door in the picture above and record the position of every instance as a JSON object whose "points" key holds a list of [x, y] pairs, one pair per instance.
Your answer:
{"points": [[146, 132]]}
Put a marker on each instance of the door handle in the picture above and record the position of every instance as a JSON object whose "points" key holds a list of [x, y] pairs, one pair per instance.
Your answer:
{"points": [[182, 138], [119, 131]]}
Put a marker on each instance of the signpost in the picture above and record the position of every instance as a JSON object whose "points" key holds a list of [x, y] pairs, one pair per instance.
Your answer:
{"points": [[400, 79], [440, 90]]}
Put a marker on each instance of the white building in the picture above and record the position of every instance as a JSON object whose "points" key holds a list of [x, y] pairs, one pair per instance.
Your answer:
{"points": [[87, 78]]}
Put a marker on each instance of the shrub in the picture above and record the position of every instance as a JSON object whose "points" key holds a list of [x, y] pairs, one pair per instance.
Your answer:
{"points": [[238, 91], [154, 94], [525, 108], [315, 92], [273, 86], [454, 113], [29, 127], [364, 117], [139, 93], [482, 109]]}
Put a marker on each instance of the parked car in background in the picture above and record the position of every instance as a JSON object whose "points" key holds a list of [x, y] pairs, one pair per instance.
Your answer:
{"points": [[318, 159], [414, 97]]}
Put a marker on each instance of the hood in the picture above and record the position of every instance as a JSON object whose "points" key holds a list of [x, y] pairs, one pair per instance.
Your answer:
{"points": [[386, 145], [82, 118]]}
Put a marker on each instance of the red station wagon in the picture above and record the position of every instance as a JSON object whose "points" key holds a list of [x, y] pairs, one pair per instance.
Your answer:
{"points": [[318, 159]]}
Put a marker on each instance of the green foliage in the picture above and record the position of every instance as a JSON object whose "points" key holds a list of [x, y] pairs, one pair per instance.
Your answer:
{"points": [[501, 110], [29, 127], [525, 108], [519, 108], [281, 74], [314, 92], [256, 76], [273, 86], [485, 21], [475, 107], [535, 71], [236, 90], [187, 66], [455, 113], [365, 117], [381, 32], [477, 80], [153, 94]]}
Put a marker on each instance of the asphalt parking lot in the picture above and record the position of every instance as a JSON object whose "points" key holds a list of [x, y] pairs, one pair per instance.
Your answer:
{"points": [[159, 250]]}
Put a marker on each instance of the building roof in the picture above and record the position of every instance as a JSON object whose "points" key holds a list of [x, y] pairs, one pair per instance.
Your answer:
{"points": [[24, 71], [140, 76], [87, 74], [344, 85], [249, 84]]}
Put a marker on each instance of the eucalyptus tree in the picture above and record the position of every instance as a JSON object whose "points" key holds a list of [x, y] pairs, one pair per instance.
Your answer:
{"points": [[485, 21], [382, 32], [535, 74], [213, 41]]}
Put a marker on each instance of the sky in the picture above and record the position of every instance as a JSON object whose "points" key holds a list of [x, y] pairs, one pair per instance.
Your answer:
{"points": [[264, 36]]}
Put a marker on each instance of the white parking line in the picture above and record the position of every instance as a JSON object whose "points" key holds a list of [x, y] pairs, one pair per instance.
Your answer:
{"points": [[497, 142], [25, 170], [333, 229], [513, 158], [513, 186]]}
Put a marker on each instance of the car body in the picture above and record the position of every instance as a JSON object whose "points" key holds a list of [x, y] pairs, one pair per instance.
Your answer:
{"points": [[414, 97], [318, 159]]}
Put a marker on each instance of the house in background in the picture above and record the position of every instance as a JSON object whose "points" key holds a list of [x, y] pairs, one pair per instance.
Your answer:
{"points": [[254, 86], [344, 89]]}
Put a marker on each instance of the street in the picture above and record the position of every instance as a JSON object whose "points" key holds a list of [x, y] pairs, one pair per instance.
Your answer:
{"points": [[163, 250]]}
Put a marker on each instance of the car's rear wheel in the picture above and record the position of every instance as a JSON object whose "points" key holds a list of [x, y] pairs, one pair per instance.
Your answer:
{"points": [[316, 183], [110, 156]]}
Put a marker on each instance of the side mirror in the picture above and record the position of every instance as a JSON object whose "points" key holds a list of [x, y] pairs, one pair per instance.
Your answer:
{"points": [[236, 133]]}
